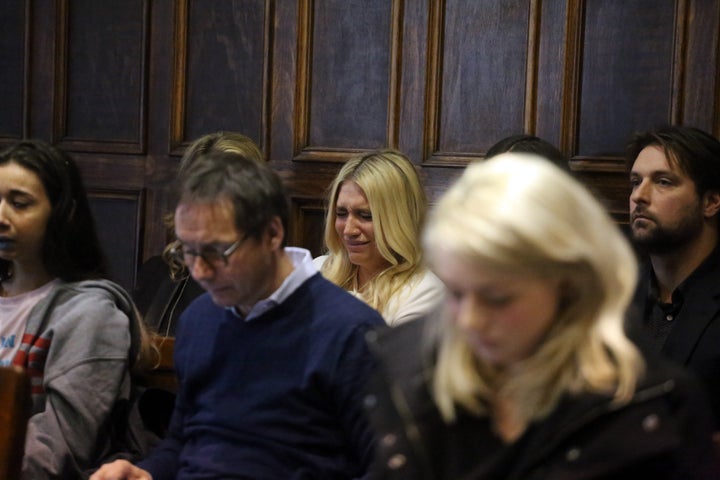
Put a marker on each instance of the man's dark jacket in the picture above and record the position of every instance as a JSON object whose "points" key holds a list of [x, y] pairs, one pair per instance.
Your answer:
{"points": [[694, 341]]}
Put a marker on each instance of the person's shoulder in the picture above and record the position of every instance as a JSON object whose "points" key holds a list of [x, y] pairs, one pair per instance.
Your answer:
{"points": [[98, 291], [429, 279], [331, 301], [665, 376], [201, 305], [320, 261], [404, 348], [677, 388], [424, 283], [393, 339], [423, 295], [88, 307]]}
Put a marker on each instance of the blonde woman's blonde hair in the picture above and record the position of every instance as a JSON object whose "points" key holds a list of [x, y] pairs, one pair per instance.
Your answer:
{"points": [[398, 206], [520, 214], [223, 141]]}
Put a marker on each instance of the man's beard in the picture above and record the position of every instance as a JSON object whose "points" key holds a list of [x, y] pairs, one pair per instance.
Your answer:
{"points": [[660, 239]]}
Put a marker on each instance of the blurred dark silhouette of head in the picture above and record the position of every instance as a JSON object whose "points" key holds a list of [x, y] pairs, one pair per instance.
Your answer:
{"points": [[530, 144]]}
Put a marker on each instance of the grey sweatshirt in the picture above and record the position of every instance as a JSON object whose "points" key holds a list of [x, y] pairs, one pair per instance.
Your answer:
{"points": [[78, 348]]}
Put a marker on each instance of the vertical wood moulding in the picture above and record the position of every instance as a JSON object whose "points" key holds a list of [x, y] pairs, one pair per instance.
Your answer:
{"points": [[395, 80], [269, 42], [436, 20], [143, 98], [27, 78], [433, 156], [177, 107], [679, 61], [531, 79], [572, 73], [302, 85], [60, 102], [716, 103]]}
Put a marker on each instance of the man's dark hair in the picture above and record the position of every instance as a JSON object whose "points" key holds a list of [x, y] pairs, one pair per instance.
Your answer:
{"points": [[253, 188], [529, 144], [695, 152]]}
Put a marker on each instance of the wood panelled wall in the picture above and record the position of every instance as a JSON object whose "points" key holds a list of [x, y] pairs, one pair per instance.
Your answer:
{"points": [[125, 86]]}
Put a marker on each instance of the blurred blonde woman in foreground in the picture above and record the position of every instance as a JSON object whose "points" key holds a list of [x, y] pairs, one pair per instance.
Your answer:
{"points": [[528, 373], [376, 209]]}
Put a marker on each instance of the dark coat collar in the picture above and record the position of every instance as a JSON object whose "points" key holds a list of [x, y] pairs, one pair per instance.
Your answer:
{"points": [[701, 306]]}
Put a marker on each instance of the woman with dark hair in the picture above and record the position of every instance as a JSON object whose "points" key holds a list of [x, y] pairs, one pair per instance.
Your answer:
{"points": [[76, 334]]}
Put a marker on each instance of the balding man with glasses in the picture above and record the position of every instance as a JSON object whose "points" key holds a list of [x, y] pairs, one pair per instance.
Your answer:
{"points": [[272, 360]]}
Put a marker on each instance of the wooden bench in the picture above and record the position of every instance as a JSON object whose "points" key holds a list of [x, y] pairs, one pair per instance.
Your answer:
{"points": [[15, 407]]}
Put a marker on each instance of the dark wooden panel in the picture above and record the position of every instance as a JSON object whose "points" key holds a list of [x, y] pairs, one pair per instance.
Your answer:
{"points": [[350, 73], [316, 81], [13, 52], [612, 189], [627, 76], [483, 52], [307, 224], [111, 171], [117, 216], [700, 87], [159, 167], [348, 81], [220, 69], [101, 80], [115, 185], [414, 71], [551, 53], [42, 46], [287, 46]]}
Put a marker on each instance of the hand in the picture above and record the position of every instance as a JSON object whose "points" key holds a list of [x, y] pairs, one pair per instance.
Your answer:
{"points": [[120, 470]]}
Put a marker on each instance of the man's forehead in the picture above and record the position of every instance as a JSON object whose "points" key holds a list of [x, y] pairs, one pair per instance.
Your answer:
{"points": [[204, 217], [657, 159]]}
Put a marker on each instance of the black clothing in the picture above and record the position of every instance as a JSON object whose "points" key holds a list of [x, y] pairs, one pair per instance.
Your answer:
{"points": [[663, 433], [693, 341], [160, 299]]}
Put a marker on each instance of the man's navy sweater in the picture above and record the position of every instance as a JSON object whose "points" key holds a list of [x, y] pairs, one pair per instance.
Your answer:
{"points": [[276, 397]]}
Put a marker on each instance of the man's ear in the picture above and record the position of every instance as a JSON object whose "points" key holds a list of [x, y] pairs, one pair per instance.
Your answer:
{"points": [[276, 233], [711, 203]]}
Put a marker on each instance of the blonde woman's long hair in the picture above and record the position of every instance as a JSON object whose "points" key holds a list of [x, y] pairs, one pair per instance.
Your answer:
{"points": [[517, 213], [398, 205]]}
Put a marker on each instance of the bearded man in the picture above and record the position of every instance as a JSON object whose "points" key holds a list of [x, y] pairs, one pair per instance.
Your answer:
{"points": [[674, 204]]}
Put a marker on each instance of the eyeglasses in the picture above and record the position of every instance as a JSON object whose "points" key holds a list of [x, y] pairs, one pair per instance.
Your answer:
{"points": [[213, 257]]}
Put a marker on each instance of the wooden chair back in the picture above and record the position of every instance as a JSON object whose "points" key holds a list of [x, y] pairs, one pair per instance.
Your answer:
{"points": [[14, 414]]}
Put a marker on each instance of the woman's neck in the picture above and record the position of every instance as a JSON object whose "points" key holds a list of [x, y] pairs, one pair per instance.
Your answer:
{"points": [[506, 419], [23, 281], [363, 277], [366, 274]]}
